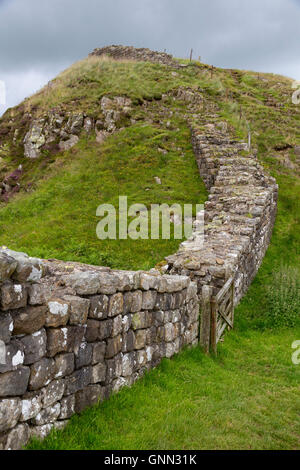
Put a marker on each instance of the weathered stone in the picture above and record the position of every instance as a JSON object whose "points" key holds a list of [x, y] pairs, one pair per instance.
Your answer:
{"points": [[98, 373], [53, 392], [67, 407], [136, 302], [140, 339], [99, 307], [28, 269], [115, 305], [7, 266], [31, 405], [13, 296], [128, 343], [84, 355], [99, 350], [129, 363], [10, 410], [105, 329], [58, 313], [114, 368], [40, 432], [141, 320], [91, 283], [34, 139], [67, 339], [35, 346], [117, 325], [38, 294], [65, 145], [14, 356], [41, 373], [6, 327], [29, 320], [79, 309], [114, 346], [149, 300], [16, 438], [92, 330], [47, 415], [127, 302], [14, 383], [64, 364], [89, 396], [78, 380]]}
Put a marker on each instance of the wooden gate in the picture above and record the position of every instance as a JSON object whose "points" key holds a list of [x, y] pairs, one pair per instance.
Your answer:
{"points": [[217, 315]]}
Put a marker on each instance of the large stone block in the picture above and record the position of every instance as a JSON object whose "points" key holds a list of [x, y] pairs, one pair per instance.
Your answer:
{"points": [[99, 307], [58, 313], [13, 296], [78, 380], [16, 438], [14, 383], [99, 350], [29, 320], [114, 346], [53, 392], [7, 266], [10, 410], [47, 415], [149, 300], [79, 309], [136, 301], [41, 373], [98, 373], [31, 405], [6, 327], [116, 305], [64, 364], [105, 329], [27, 269], [14, 352], [84, 355], [67, 407], [92, 330], [35, 346], [67, 339], [89, 396]]}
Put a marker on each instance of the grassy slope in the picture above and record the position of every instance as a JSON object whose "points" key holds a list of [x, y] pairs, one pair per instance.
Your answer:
{"points": [[247, 397]]}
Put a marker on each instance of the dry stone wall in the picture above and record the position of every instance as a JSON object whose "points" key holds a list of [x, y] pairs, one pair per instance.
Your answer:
{"points": [[138, 54], [239, 214], [72, 334]]}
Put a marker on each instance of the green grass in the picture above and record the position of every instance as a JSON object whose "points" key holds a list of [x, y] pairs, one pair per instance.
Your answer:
{"points": [[58, 219]]}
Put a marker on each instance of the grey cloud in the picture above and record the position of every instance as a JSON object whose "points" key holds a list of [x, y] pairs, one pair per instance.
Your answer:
{"points": [[45, 36]]}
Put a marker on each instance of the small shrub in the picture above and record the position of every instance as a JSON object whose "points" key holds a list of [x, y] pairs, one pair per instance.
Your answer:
{"points": [[283, 298]]}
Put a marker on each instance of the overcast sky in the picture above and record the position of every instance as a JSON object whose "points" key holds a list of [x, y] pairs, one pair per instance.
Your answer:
{"points": [[39, 38]]}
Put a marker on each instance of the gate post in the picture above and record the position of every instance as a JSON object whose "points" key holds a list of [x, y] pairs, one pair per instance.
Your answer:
{"points": [[205, 318]]}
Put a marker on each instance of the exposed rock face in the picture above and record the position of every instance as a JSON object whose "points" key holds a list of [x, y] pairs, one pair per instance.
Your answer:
{"points": [[34, 139], [89, 332], [138, 54]]}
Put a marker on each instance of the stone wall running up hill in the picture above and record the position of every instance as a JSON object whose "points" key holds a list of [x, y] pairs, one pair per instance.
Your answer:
{"points": [[72, 334], [138, 54], [239, 214]]}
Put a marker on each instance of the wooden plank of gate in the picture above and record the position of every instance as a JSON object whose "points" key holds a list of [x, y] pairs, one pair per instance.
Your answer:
{"points": [[205, 318], [213, 330]]}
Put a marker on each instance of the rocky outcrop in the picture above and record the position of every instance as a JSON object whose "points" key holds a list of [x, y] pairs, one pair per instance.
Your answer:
{"points": [[131, 53], [72, 334], [62, 130]]}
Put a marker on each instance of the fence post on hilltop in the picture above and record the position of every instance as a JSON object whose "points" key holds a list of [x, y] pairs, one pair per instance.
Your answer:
{"points": [[205, 318]]}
